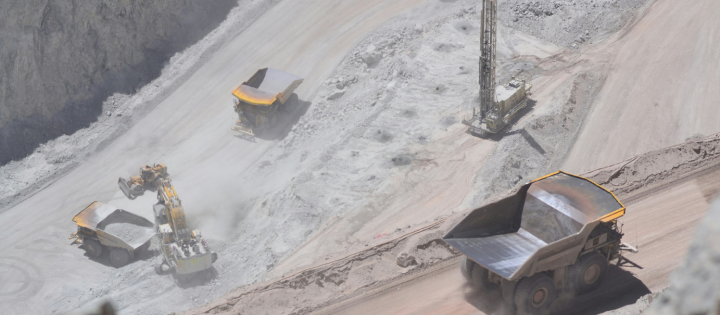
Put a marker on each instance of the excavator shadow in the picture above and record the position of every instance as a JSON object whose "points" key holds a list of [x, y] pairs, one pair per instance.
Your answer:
{"points": [[198, 279], [620, 288]]}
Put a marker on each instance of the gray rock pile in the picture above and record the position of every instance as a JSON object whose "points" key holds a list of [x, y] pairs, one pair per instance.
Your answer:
{"points": [[568, 23], [128, 232]]}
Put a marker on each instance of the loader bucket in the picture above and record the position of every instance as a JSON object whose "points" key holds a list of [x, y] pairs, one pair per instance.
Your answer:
{"points": [[129, 192]]}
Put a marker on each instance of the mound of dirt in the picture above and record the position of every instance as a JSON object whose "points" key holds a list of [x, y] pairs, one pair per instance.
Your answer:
{"points": [[568, 22], [128, 232], [658, 166]]}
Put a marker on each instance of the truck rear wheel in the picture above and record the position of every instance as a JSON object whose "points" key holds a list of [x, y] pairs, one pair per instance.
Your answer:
{"points": [[119, 257], [535, 294], [466, 266], [479, 277], [588, 274], [92, 247]]}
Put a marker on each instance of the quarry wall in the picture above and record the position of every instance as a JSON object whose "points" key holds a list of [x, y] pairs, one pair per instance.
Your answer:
{"points": [[60, 59]]}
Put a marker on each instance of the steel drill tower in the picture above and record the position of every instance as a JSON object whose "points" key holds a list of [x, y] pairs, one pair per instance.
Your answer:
{"points": [[488, 36]]}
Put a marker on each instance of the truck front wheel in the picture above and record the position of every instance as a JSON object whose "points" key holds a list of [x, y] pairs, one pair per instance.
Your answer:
{"points": [[480, 277], [535, 294], [588, 274], [92, 247], [466, 266]]}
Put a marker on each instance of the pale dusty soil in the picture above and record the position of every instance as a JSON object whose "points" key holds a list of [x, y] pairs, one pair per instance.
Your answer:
{"points": [[373, 152], [663, 88]]}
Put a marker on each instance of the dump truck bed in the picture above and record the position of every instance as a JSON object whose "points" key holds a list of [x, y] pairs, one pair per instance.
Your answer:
{"points": [[542, 226], [266, 86], [115, 227]]}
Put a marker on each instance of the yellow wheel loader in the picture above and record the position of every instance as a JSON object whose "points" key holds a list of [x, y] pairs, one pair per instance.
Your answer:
{"points": [[259, 99], [184, 251], [150, 176]]}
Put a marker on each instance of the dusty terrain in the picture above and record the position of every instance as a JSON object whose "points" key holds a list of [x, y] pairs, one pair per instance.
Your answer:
{"points": [[368, 171], [378, 280], [663, 89]]}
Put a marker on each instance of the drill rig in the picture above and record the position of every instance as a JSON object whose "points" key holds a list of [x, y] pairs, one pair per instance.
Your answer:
{"points": [[498, 105], [184, 251]]}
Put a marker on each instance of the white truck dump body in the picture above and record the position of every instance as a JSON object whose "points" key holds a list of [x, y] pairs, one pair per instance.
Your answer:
{"points": [[545, 221], [115, 227]]}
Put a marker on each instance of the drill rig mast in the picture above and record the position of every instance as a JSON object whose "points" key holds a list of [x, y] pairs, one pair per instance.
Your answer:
{"points": [[498, 105], [488, 34]]}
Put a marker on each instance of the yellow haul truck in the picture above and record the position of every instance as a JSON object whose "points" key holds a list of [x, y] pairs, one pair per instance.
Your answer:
{"points": [[184, 250], [105, 228], [558, 232], [258, 100]]}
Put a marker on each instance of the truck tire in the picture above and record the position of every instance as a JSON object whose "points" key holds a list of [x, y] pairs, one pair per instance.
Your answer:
{"points": [[479, 276], [534, 295], [92, 247], [508, 293], [119, 257], [466, 266], [588, 273]]}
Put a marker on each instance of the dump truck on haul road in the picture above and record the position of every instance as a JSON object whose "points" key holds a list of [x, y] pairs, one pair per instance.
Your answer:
{"points": [[558, 232], [259, 99], [102, 227], [184, 251]]}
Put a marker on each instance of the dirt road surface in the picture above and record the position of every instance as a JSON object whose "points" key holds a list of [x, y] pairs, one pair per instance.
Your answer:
{"points": [[661, 222], [663, 88], [190, 132]]}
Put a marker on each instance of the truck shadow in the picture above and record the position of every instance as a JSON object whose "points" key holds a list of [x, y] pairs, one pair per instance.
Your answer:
{"points": [[619, 289], [104, 259], [295, 108]]}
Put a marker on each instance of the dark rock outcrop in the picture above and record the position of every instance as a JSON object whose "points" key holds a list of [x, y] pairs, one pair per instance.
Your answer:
{"points": [[60, 59]]}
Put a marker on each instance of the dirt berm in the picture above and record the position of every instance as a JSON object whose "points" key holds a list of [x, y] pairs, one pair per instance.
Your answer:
{"points": [[304, 291]]}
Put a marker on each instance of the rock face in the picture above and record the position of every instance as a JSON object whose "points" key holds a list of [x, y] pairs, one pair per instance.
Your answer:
{"points": [[60, 59], [695, 286], [568, 22]]}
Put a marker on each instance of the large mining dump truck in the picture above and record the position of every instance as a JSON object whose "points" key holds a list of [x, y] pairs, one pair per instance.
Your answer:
{"points": [[258, 100], [184, 251], [555, 233], [105, 228]]}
